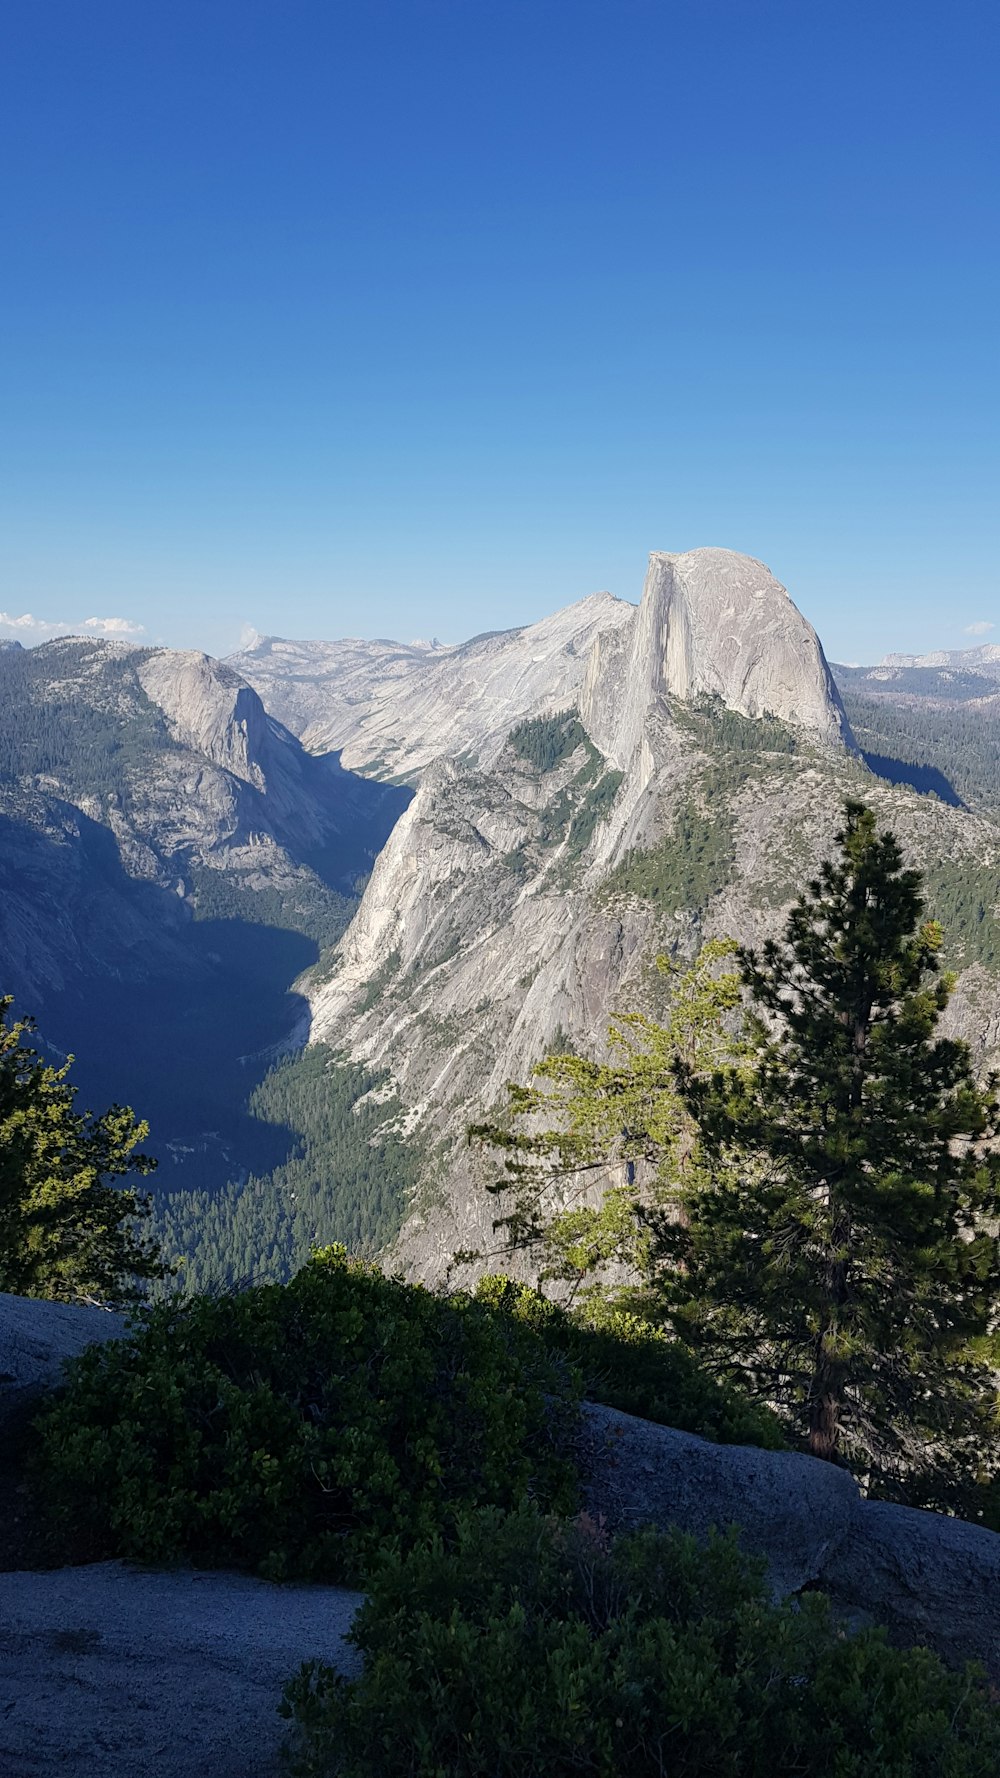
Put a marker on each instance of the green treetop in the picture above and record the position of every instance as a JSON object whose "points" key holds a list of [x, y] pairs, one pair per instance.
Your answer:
{"points": [[837, 1248], [579, 1118], [821, 1184], [66, 1229]]}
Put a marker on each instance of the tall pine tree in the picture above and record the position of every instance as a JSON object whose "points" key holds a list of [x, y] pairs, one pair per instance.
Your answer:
{"points": [[579, 1120], [67, 1229], [837, 1246]]}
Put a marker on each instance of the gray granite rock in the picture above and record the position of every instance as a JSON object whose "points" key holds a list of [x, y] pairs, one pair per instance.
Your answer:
{"points": [[110, 1671], [398, 706], [926, 1577], [791, 1509], [929, 1579], [711, 622], [36, 1338]]}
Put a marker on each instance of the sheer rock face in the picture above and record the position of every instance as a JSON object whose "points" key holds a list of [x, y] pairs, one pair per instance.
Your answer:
{"points": [[96, 872], [487, 933], [209, 709], [213, 713], [393, 708], [717, 624]]}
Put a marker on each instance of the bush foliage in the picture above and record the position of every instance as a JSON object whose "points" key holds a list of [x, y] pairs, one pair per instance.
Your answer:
{"points": [[539, 1650], [297, 1429], [630, 1365], [545, 741]]}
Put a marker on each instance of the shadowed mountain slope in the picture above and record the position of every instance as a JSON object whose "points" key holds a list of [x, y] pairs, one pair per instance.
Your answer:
{"points": [[171, 860]]}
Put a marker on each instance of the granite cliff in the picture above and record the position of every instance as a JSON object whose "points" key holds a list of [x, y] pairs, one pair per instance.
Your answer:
{"points": [[391, 708], [171, 859], [695, 784], [167, 765], [714, 624]]}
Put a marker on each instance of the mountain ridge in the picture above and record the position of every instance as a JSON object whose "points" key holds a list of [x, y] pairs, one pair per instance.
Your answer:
{"points": [[171, 861], [488, 932], [389, 715]]}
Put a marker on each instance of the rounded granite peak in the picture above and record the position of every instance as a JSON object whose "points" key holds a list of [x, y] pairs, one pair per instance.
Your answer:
{"points": [[711, 562], [713, 623]]}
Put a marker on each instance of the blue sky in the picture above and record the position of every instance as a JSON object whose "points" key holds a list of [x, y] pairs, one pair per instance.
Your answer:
{"points": [[427, 318]]}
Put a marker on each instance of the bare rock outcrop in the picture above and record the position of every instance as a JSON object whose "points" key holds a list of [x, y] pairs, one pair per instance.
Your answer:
{"points": [[711, 623], [209, 708], [171, 1675], [36, 1339], [929, 1579], [393, 708]]}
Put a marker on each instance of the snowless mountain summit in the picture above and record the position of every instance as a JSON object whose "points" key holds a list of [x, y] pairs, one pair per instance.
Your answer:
{"points": [[711, 623], [682, 793], [985, 658], [391, 708]]}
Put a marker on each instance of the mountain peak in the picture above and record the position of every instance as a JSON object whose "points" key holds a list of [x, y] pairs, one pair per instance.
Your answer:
{"points": [[985, 655], [714, 623]]}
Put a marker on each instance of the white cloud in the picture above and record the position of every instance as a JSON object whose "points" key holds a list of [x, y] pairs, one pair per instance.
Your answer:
{"points": [[35, 625], [980, 629], [114, 626]]}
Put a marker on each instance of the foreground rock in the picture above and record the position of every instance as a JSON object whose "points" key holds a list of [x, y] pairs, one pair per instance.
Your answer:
{"points": [[113, 1671], [36, 1339], [109, 1671], [929, 1579]]}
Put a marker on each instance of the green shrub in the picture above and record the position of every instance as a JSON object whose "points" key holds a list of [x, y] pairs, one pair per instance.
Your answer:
{"points": [[685, 869], [534, 1650], [296, 1429], [545, 741], [628, 1364], [594, 809]]}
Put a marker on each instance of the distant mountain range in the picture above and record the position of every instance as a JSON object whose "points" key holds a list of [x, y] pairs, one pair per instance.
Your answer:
{"points": [[984, 658], [171, 859], [946, 676], [390, 708], [207, 866]]}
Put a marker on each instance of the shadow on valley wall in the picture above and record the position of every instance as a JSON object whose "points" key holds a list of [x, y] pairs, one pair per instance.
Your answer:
{"points": [[928, 780], [175, 1016]]}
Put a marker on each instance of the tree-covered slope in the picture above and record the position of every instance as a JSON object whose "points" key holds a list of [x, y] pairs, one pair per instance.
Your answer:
{"points": [[171, 861], [949, 749]]}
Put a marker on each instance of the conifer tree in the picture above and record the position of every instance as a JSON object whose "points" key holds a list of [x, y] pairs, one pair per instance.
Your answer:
{"points": [[837, 1246], [66, 1229], [580, 1119]]}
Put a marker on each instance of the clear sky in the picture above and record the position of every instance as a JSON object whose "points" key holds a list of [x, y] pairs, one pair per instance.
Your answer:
{"points": [[414, 317]]}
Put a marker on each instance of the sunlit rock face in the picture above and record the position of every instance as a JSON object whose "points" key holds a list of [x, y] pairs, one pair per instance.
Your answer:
{"points": [[391, 708], [711, 623], [497, 923]]}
